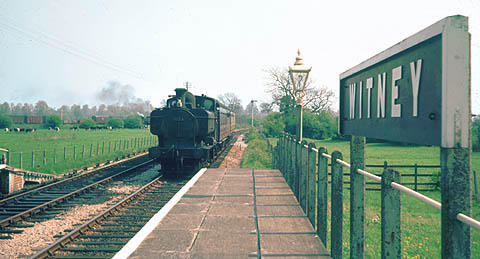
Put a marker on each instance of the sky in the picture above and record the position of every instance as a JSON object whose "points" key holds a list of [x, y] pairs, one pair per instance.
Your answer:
{"points": [[65, 52]]}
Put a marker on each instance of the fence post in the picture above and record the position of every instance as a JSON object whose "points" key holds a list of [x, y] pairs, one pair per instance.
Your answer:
{"points": [[54, 156], [21, 160], [475, 182], [357, 197], [303, 177], [91, 148], [33, 159], [296, 177], [9, 161], [83, 151], [391, 220], [109, 146], [312, 168], [98, 149], [288, 160], [279, 152], [103, 147], [337, 206], [416, 176], [283, 156], [64, 153], [74, 152], [290, 157], [44, 157], [322, 192], [456, 189]]}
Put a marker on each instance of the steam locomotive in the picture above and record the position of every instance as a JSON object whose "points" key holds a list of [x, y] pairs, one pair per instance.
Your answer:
{"points": [[191, 129]]}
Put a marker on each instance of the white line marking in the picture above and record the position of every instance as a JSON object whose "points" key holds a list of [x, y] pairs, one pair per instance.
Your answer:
{"points": [[135, 242]]}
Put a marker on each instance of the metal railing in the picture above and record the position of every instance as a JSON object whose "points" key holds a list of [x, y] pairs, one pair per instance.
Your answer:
{"points": [[305, 169]]}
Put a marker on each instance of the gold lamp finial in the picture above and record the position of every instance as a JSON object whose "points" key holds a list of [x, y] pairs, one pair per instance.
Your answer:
{"points": [[298, 60]]}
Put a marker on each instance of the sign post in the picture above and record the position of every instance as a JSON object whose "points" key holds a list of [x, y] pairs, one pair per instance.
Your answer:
{"points": [[418, 91]]}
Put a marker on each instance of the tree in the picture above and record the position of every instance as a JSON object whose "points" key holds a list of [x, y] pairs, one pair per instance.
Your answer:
{"points": [[232, 102], [115, 123], [64, 112], [317, 99], [41, 108], [133, 122], [27, 109], [86, 124], [265, 107], [76, 112], [315, 125], [5, 122], [53, 121], [273, 125], [5, 108]]}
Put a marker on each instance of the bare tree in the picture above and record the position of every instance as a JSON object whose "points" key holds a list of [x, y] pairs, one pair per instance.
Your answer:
{"points": [[232, 102], [320, 99], [280, 87], [265, 107]]}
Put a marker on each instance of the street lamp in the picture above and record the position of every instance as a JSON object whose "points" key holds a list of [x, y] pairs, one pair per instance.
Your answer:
{"points": [[251, 108], [299, 76]]}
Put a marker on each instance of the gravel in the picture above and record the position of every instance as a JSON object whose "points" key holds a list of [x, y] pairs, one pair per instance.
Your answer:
{"points": [[234, 157], [35, 238]]}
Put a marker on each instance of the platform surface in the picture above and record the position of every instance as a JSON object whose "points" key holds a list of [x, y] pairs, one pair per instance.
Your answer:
{"points": [[234, 213]]}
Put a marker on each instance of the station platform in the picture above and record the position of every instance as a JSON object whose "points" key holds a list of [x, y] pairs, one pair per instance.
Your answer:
{"points": [[229, 213]]}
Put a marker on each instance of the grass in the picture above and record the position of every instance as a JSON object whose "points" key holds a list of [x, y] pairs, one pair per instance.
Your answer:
{"points": [[421, 224], [95, 146], [257, 154]]}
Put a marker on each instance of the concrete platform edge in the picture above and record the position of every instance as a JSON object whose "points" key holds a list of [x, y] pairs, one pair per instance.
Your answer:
{"points": [[133, 244]]}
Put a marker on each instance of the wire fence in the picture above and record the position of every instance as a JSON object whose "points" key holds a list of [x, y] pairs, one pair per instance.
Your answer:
{"points": [[305, 169], [74, 155]]}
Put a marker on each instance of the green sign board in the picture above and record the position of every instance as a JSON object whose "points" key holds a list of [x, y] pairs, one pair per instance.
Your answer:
{"points": [[417, 91]]}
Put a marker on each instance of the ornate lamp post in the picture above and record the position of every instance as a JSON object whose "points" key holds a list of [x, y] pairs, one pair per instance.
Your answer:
{"points": [[299, 76]]}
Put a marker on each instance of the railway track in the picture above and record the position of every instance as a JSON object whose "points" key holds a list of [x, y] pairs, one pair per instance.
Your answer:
{"points": [[19, 211], [105, 234]]}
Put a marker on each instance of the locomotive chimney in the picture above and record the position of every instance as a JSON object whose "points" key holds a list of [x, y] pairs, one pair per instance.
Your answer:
{"points": [[179, 92]]}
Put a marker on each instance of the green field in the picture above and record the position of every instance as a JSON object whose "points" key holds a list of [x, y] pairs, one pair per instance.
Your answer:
{"points": [[421, 235], [71, 149]]}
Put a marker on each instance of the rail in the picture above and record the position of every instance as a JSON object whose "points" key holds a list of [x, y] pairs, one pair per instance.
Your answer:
{"points": [[305, 169]]}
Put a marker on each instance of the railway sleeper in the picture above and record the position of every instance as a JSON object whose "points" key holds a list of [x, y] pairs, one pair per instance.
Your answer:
{"points": [[8, 214], [129, 220], [108, 249], [11, 231], [15, 208], [94, 243], [27, 203], [80, 257], [42, 198], [39, 218], [123, 225], [22, 225], [6, 237], [92, 236], [116, 230]]}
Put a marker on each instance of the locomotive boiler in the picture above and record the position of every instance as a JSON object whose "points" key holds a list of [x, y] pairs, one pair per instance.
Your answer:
{"points": [[191, 129]]}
